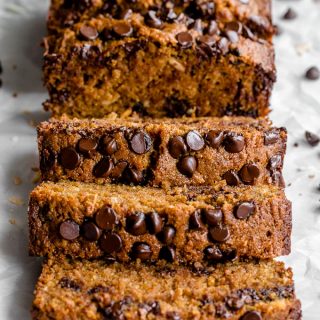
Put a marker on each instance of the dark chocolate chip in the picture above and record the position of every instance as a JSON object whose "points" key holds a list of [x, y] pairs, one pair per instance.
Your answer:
{"points": [[212, 28], [244, 210], [132, 175], [88, 33], [123, 29], [140, 142], [69, 158], [194, 140], [235, 302], [111, 242], [247, 33], [312, 138], [171, 15], [233, 142], [47, 160], [278, 179], [290, 14], [213, 253], [136, 224], [234, 26], [152, 20], [187, 166], [275, 162], [206, 39], [69, 230], [184, 39], [232, 36], [141, 250], [195, 220], [219, 233], [271, 137], [118, 169], [198, 26], [214, 139], [154, 223], [86, 145], [67, 283], [106, 35], [313, 73], [103, 168], [167, 253], [252, 315], [223, 45], [232, 178], [212, 216], [106, 218], [167, 235], [90, 231], [249, 173], [109, 145], [177, 147], [126, 14]]}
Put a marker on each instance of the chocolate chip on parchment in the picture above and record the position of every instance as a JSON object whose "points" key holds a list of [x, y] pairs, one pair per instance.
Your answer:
{"points": [[90, 231], [141, 250], [244, 210], [313, 73], [312, 138], [69, 230], [136, 224], [177, 147], [111, 242], [290, 14], [69, 158], [187, 166], [106, 218]]}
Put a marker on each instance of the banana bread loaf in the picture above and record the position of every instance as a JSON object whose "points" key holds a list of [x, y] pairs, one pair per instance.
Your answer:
{"points": [[97, 290], [188, 63], [169, 152], [151, 224]]}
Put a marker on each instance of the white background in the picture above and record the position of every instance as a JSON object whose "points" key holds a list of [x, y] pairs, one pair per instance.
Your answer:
{"points": [[296, 105]]}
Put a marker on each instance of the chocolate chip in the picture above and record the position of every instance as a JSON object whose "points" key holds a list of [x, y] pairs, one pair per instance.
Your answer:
{"points": [[235, 302], [213, 253], [232, 36], [106, 218], [136, 224], [118, 169], [187, 166], [223, 45], [290, 14], [106, 35], [167, 235], [244, 210], [109, 145], [212, 216], [313, 73], [132, 175], [247, 33], [232, 178], [177, 147], [111, 242], [207, 40], [140, 142], [141, 250], [219, 233], [251, 315], [88, 33], [172, 315], [90, 231], [154, 223], [152, 20], [126, 14], [103, 168], [278, 179], [47, 159], [198, 26], [214, 139], [312, 138], [275, 162], [195, 220], [86, 145], [123, 29], [184, 39], [212, 28], [167, 253], [69, 158], [271, 137], [233, 142], [194, 140], [171, 15], [249, 173], [234, 26], [69, 230]]}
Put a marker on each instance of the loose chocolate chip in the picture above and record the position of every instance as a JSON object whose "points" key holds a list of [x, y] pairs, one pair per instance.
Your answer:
{"points": [[69, 158], [123, 29], [109, 145], [118, 169], [223, 45], [195, 220], [154, 223], [194, 140], [219, 233], [106, 218], [275, 162], [271, 137], [184, 39], [132, 175], [213, 253], [90, 231], [167, 235], [69, 230], [88, 33], [212, 28], [86, 145], [177, 147], [233, 142], [249, 173], [103, 168], [232, 36], [140, 142], [136, 224], [290, 14], [244, 210], [251, 315], [312, 138], [234, 26], [313, 73], [142, 251], [152, 20], [111, 242], [167, 253], [212, 216], [187, 166], [232, 178], [214, 139]]}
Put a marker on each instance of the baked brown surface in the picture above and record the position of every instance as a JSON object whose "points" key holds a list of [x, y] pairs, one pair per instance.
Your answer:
{"points": [[168, 152], [136, 64], [98, 290], [184, 226]]}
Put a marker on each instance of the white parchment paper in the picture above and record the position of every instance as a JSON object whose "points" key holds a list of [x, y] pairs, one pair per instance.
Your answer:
{"points": [[296, 105]]}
